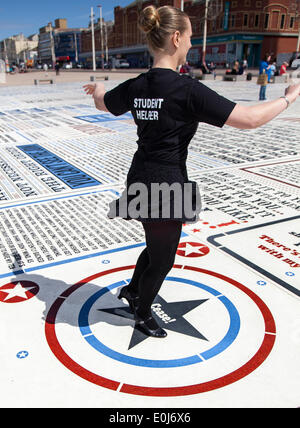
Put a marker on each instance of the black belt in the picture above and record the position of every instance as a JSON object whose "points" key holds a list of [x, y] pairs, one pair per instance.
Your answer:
{"points": [[143, 157]]}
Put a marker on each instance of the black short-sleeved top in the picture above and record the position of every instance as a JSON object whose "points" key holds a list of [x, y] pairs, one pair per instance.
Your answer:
{"points": [[167, 109]]}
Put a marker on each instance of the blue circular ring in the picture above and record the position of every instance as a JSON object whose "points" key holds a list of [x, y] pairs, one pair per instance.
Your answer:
{"points": [[227, 340]]}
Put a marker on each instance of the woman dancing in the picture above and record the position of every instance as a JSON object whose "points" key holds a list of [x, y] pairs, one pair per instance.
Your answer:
{"points": [[167, 109]]}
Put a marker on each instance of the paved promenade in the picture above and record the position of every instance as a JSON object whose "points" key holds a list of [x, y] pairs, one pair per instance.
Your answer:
{"points": [[67, 76], [230, 304]]}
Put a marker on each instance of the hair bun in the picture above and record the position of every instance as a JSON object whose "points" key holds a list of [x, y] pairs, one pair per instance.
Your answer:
{"points": [[149, 19]]}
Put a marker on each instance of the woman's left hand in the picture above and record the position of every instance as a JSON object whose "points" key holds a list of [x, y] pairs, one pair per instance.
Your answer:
{"points": [[293, 92], [90, 89]]}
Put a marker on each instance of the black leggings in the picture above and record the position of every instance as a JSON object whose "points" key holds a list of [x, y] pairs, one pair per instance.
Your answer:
{"points": [[155, 261]]}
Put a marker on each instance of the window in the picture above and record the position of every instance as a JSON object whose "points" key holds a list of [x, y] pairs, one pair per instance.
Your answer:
{"points": [[266, 23], [221, 22], [258, 4], [292, 20], [245, 22], [256, 21], [282, 22], [194, 27], [232, 23], [275, 19], [232, 48], [247, 3], [234, 4], [250, 21]]}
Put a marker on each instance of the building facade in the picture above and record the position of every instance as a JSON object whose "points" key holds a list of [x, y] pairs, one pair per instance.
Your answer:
{"points": [[59, 43], [18, 49], [107, 42], [236, 29], [245, 29], [124, 39]]}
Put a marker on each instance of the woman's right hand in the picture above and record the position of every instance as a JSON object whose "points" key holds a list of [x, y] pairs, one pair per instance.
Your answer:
{"points": [[97, 90], [292, 92]]}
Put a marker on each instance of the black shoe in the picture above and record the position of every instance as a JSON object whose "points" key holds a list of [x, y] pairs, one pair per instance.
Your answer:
{"points": [[132, 301], [149, 326]]}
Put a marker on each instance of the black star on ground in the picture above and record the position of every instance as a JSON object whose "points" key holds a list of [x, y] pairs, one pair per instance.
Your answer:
{"points": [[169, 316]]}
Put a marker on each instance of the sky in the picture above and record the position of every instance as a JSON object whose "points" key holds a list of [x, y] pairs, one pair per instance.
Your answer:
{"points": [[27, 16]]}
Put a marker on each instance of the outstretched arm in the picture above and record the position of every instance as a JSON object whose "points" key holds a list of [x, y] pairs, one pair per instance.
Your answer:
{"points": [[251, 117], [97, 90]]}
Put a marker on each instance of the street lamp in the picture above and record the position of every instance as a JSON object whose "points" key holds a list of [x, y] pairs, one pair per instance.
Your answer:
{"points": [[6, 57], [205, 32], [52, 46], [295, 8], [106, 46], [93, 39], [75, 48], [212, 9], [101, 35]]}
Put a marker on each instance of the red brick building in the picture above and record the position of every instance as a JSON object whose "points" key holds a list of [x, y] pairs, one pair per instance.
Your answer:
{"points": [[236, 29], [246, 29]]}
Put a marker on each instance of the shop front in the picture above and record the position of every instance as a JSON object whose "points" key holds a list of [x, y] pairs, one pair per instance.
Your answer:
{"points": [[224, 50]]}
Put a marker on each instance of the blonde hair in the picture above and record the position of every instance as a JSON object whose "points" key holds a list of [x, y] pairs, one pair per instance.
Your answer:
{"points": [[159, 23]]}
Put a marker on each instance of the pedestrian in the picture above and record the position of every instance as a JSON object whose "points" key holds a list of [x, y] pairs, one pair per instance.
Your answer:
{"points": [[264, 76], [204, 68], [185, 68], [57, 67], [273, 68], [235, 68], [167, 109], [212, 69], [283, 68], [240, 69], [13, 69]]}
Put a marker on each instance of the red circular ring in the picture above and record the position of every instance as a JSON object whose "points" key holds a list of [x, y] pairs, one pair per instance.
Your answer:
{"points": [[246, 369]]}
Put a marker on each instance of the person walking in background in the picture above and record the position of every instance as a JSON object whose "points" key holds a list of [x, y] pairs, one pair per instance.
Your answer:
{"points": [[212, 68], [57, 67], [272, 70], [167, 109], [204, 68], [241, 69], [283, 68], [264, 68], [185, 68], [236, 67]]}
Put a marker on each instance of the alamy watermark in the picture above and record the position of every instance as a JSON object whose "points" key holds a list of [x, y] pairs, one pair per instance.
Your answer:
{"points": [[162, 200]]}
